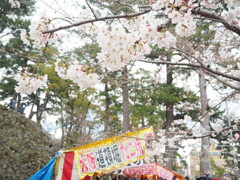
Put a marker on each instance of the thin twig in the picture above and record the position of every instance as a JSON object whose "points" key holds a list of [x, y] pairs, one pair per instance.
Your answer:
{"points": [[196, 66], [197, 137], [95, 20], [91, 9], [122, 4], [209, 111], [215, 17]]}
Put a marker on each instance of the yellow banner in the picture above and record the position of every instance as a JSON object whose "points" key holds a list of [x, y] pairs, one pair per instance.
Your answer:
{"points": [[113, 153]]}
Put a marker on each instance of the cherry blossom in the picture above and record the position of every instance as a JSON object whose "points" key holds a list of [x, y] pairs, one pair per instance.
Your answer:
{"points": [[175, 16], [78, 74], [118, 47], [232, 17], [12, 16], [14, 3], [24, 37], [36, 29], [217, 127], [28, 83], [236, 135]]}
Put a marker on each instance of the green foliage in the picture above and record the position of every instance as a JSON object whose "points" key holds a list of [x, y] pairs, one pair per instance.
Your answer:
{"points": [[149, 97], [180, 166], [87, 53], [115, 106], [203, 34], [218, 172], [14, 55], [145, 110]]}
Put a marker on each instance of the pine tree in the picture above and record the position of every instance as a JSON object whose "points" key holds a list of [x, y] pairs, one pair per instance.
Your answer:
{"points": [[14, 55]]}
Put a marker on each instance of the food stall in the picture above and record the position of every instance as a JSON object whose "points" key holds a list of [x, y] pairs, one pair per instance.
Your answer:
{"points": [[100, 157], [151, 171]]}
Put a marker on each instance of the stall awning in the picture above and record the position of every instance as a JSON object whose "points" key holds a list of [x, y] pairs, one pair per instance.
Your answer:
{"points": [[100, 157], [152, 169]]}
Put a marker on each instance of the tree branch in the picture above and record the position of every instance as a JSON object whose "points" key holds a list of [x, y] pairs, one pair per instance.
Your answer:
{"points": [[225, 82], [215, 17], [120, 3], [197, 137], [194, 65], [95, 20], [207, 67], [91, 9], [212, 16]]}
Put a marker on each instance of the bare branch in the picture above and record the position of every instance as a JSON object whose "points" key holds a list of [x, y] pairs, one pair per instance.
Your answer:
{"points": [[207, 68], [120, 3], [223, 100], [197, 137], [224, 82], [196, 66], [91, 9], [215, 17], [95, 20], [211, 16], [5, 34], [184, 52]]}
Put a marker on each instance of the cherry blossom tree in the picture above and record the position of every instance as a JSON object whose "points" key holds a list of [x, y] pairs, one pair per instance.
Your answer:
{"points": [[126, 38]]}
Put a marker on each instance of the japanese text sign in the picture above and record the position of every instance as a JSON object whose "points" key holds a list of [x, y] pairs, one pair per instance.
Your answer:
{"points": [[112, 153]]}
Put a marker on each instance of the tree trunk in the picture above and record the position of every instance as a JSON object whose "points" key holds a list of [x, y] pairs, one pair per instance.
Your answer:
{"points": [[169, 120], [62, 121], [42, 108], [107, 104], [35, 100], [125, 94], [19, 100], [205, 145]]}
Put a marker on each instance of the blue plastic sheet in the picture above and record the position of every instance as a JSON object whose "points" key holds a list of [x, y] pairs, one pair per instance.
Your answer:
{"points": [[46, 172]]}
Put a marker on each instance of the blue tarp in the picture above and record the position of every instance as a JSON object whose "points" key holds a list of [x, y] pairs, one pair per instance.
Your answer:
{"points": [[46, 172]]}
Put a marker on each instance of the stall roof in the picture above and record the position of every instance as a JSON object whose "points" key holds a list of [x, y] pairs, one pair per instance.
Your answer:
{"points": [[152, 169]]}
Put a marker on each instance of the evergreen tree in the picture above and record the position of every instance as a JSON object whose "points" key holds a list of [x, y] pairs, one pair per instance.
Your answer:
{"points": [[14, 55]]}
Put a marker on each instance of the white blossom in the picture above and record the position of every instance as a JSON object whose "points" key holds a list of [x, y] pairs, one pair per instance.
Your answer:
{"points": [[36, 29], [217, 127], [14, 3], [175, 16], [24, 37], [28, 83], [78, 74], [12, 16]]}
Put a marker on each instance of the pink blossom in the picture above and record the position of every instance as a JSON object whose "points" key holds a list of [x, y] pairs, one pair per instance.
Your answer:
{"points": [[236, 135]]}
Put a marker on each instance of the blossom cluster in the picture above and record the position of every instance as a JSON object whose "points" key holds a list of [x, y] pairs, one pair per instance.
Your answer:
{"points": [[119, 47], [130, 40], [35, 33], [179, 11], [77, 73], [14, 3], [28, 83]]}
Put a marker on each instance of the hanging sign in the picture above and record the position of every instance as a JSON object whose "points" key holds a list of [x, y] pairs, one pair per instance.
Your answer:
{"points": [[112, 153]]}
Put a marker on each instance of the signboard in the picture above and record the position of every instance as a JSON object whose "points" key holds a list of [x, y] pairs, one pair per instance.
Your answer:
{"points": [[112, 153], [152, 169], [164, 173], [146, 169]]}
